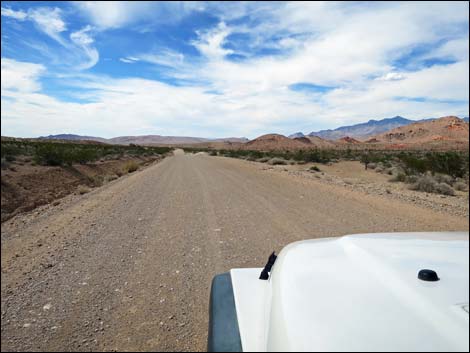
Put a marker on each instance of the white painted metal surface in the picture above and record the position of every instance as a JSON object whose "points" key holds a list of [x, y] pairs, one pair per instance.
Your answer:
{"points": [[252, 311], [359, 293]]}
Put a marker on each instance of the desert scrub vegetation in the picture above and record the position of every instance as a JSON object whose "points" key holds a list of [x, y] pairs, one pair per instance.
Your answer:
{"points": [[460, 186], [427, 171], [131, 167], [452, 163], [277, 161], [263, 159], [109, 178], [291, 157], [433, 172], [83, 189], [68, 153], [315, 169], [428, 183]]}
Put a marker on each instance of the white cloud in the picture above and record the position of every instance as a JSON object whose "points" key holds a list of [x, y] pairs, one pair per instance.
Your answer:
{"points": [[210, 43], [17, 15], [83, 40], [391, 76], [128, 60], [77, 52], [46, 19], [49, 21], [116, 14], [139, 106], [163, 57], [351, 47], [20, 76]]}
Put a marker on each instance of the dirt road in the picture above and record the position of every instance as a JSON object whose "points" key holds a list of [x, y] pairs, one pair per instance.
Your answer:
{"points": [[128, 266]]}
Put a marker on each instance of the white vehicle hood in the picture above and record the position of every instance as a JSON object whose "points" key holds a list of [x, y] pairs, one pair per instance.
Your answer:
{"points": [[359, 293]]}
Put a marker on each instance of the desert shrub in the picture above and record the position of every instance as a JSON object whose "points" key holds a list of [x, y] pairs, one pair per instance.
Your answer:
{"points": [[399, 177], [277, 161], [460, 186], [263, 159], [424, 183], [49, 154], [131, 166], [315, 169], [11, 149], [443, 178], [454, 164], [445, 189], [109, 178], [394, 171], [5, 164], [318, 156], [82, 189], [58, 153], [82, 155], [119, 173], [451, 163], [96, 180], [256, 154], [428, 183], [213, 153], [411, 179]]}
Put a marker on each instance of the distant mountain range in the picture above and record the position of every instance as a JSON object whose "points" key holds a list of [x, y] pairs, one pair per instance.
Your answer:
{"points": [[73, 137], [449, 132], [144, 139], [363, 130], [296, 135], [360, 131]]}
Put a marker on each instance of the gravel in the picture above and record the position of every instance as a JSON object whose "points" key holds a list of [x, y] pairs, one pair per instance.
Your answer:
{"points": [[199, 216]]}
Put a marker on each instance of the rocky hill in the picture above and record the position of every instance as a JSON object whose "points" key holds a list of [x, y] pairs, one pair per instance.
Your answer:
{"points": [[272, 142], [448, 129]]}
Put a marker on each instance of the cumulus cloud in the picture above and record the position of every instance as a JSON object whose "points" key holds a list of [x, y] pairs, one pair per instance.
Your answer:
{"points": [[355, 48], [391, 76], [20, 76], [210, 43]]}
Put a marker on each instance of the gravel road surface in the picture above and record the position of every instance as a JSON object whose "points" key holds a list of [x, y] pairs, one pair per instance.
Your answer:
{"points": [[128, 266]]}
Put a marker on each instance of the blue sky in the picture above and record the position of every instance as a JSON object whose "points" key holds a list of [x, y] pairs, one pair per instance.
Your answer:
{"points": [[228, 69]]}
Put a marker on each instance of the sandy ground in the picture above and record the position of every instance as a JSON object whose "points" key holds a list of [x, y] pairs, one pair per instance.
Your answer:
{"points": [[128, 266], [353, 176]]}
